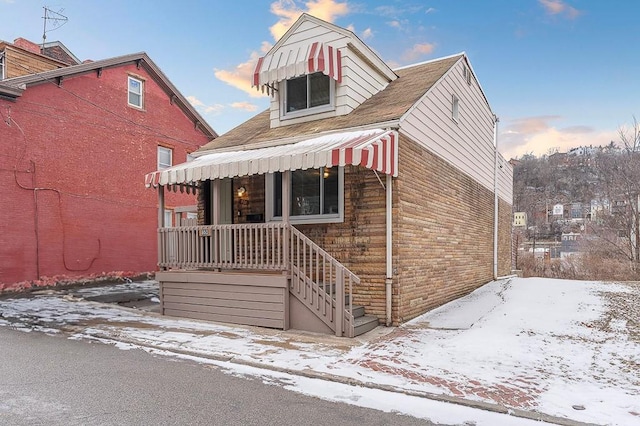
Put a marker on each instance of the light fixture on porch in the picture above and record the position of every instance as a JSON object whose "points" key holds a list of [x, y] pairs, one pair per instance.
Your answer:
{"points": [[325, 174], [241, 191]]}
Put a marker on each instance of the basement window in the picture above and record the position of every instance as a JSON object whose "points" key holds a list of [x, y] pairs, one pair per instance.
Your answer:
{"points": [[135, 92]]}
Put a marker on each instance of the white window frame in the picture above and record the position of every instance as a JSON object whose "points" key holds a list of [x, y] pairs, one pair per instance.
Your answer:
{"points": [[455, 108], [129, 92], [168, 218], [161, 165], [2, 65], [284, 115], [306, 219]]}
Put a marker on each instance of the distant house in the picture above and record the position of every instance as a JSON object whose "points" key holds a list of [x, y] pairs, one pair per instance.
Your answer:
{"points": [[570, 244], [75, 136], [520, 219], [361, 190]]}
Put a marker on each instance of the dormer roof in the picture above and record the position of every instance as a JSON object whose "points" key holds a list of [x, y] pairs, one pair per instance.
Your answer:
{"points": [[312, 45]]}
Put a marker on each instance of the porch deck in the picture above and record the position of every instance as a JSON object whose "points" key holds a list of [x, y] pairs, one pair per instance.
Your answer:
{"points": [[246, 274]]}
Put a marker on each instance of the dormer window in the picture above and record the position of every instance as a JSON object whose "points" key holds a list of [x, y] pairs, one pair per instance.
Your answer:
{"points": [[308, 94]]}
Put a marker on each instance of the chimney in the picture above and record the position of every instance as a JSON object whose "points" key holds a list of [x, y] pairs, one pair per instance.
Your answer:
{"points": [[25, 44]]}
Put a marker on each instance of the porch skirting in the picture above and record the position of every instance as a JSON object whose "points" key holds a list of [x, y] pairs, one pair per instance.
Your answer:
{"points": [[248, 298]]}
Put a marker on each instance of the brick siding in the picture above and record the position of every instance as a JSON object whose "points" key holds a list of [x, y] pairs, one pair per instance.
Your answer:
{"points": [[87, 152]]}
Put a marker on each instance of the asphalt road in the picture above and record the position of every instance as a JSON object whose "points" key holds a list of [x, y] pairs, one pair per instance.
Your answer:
{"points": [[51, 380]]}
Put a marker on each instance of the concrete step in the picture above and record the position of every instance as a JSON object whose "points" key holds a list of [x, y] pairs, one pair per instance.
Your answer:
{"points": [[363, 324]]}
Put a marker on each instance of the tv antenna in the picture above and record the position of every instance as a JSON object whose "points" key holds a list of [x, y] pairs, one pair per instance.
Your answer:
{"points": [[57, 20]]}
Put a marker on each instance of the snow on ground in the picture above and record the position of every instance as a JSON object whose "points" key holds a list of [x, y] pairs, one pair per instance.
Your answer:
{"points": [[559, 347]]}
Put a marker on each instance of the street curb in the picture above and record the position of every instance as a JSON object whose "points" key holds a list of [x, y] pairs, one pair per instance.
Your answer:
{"points": [[497, 408]]}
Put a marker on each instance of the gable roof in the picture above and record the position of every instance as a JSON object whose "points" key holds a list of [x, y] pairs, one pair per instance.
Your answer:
{"points": [[57, 50], [13, 87], [384, 108]]}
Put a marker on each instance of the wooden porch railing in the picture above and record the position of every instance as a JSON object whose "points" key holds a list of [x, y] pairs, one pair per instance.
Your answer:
{"points": [[246, 246], [318, 280], [322, 283]]}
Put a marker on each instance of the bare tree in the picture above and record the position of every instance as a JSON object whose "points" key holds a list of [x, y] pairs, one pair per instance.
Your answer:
{"points": [[619, 178]]}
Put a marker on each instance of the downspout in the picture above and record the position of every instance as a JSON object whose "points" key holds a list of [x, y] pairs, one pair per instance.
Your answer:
{"points": [[389, 248], [495, 197]]}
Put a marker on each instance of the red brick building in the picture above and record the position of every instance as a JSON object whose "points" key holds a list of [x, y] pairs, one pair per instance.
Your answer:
{"points": [[76, 142]]}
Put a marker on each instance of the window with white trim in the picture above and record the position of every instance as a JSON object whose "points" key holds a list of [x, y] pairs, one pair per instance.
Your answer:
{"points": [[135, 90], [316, 195], [165, 157], [1, 65], [308, 94], [455, 108], [168, 218]]}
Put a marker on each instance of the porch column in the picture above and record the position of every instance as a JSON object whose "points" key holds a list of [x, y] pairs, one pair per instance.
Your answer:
{"points": [[160, 222], [215, 202], [286, 211]]}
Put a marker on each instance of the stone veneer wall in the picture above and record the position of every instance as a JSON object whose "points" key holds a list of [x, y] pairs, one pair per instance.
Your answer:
{"points": [[444, 233]]}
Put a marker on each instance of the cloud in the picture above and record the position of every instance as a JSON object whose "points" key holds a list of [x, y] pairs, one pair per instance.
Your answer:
{"points": [[537, 135], [204, 108], [560, 8], [394, 24], [367, 34], [245, 106], [418, 50], [288, 12], [241, 76], [430, 10]]}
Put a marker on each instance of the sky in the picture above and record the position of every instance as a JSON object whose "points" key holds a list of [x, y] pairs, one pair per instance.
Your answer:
{"points": [[528, 343], [557, 73]]}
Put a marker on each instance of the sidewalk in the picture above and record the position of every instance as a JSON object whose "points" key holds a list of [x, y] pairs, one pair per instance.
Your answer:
{"points": [[563, 352]]}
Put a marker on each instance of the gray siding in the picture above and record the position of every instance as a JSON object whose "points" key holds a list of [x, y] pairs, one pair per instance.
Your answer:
{"points": [[236, 298], [466, 143]]}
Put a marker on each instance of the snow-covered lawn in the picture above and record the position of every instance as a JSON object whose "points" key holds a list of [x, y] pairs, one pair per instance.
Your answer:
{"points": [[564, 348]]}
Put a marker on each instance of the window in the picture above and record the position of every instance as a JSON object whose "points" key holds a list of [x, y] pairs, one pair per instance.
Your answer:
{"points": [[1, 65], [168, 218], [466, 73], [316, 195], [455, 107], [308, 94], [165, 157], [135, 92]]}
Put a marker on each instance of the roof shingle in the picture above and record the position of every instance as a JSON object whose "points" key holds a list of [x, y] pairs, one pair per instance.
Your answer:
{"points": [[387, 105]]}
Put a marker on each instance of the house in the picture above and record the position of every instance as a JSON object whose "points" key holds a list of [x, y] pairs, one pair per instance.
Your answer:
{"points": [[74, 136], [24, 57], [570, 245], [520, 219], [362, 195]]}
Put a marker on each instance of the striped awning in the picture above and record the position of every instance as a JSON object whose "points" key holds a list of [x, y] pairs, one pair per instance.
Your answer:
{"points": [[300, 60], [376, 149]]}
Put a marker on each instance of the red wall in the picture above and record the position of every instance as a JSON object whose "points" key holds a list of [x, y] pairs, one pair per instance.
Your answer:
{"points": [[72, 166]]}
